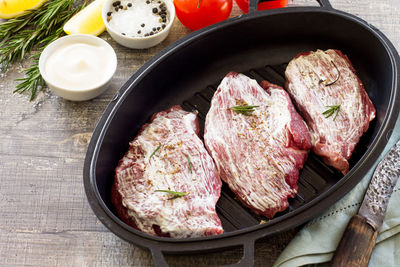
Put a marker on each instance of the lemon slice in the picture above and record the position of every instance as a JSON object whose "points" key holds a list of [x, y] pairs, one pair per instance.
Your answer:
{"points": [[87, 21], [12, 8]]}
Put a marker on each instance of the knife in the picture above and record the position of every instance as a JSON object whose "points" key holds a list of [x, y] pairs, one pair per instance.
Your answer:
{"points": [[355, 247]]}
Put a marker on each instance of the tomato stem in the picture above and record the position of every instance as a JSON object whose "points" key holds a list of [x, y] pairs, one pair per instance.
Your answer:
{"points": [[198, 6]]}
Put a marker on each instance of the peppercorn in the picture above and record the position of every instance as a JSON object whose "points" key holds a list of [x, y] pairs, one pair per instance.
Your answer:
{"points": [[143, 25], [151, 33], [115, 4], [129, 4], [164, 19], [108, 18], [125, 8], [123, 33], [147, 2], [121, 7], [163, 8], [154, 29], [158, 28], [139, 32], [155, 10], [163, 26], [109, 14], [118, 2], [116, 9], [146, 35]]}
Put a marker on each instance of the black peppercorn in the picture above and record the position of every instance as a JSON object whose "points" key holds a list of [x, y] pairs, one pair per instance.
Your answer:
{"points": [[121, 7], [164, 19], [123, 33], [116, 9], [129, 4], [154, 29], [147, 2], [155, 10], [158, 28], [118, 2], [115, 4], [142, 25], [151, 33], [163, 8], [139, 32], [163, 26], [109, 13], [146, 35]]}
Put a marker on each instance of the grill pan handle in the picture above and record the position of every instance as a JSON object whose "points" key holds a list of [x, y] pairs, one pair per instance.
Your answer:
{"points": [[246, 260], [253, 4]]}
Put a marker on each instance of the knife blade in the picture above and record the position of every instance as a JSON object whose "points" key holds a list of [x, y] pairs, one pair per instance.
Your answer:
{"points": [[355, 247]]}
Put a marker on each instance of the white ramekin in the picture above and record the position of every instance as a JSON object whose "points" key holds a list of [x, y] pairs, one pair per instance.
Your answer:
{"points": [[77, 94], [139, 42]]}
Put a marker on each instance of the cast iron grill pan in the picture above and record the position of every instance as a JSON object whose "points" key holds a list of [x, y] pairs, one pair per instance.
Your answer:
{"points": [[258, 44]]}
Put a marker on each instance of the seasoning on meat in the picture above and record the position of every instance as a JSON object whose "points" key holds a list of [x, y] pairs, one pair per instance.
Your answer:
{"points": [[337, 113], [167, 184], [258, 156]]}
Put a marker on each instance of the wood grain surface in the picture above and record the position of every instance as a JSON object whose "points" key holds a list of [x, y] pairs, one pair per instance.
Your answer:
{"points": [[45, 219]]}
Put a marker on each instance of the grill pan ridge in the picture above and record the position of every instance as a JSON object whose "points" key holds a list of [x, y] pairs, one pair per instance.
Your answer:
{"points": [[261, 52]]}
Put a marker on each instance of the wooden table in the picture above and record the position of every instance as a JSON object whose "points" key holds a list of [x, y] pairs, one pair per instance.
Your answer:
{"points": [[45, 219]]}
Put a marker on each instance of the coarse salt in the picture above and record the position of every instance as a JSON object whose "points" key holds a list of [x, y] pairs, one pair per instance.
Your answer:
{"points": [[138, 18]]}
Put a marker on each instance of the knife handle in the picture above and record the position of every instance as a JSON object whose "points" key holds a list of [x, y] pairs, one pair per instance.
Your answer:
{"points": [[355, 247]]}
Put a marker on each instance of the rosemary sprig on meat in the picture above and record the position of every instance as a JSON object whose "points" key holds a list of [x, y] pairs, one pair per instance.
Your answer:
{"points": [[332, 110], [155, 151], [244, 109], [34, 30], [189, 163], [326, 82], [173, 193]]}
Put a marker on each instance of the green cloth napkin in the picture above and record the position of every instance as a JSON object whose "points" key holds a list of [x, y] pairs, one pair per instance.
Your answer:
{"points": [[317, 241]]}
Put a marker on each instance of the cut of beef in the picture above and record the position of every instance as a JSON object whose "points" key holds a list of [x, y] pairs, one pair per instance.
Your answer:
{"points": [[332, 100], [258, 150], [166, 158]]}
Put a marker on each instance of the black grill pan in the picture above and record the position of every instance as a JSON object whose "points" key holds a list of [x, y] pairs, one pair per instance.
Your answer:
{"points": [[258, 44]]}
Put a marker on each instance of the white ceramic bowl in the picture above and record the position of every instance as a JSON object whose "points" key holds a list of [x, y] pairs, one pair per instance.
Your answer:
{"points": [[139, 42], [79, 94]]}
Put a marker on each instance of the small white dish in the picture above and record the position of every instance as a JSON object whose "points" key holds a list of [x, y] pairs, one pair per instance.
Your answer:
{"points": [[73, 72], [139, 42]]}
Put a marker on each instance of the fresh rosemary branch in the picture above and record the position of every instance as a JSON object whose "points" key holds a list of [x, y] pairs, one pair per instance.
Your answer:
{"points": [[244, 109], [331, 110], [174, 193], [36, 29]]}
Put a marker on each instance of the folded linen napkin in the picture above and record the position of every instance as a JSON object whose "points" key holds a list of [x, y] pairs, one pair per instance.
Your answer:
{"points": [[317, 241]]}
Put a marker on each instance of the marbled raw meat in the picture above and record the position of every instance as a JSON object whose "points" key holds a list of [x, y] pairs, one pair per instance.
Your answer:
{"points": [[311, 84], [181, 164], [259, 156]]}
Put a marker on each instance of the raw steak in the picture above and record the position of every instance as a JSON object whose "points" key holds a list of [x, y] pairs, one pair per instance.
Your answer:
{"points": [[259, 154], [318, 81], [167, 154]]}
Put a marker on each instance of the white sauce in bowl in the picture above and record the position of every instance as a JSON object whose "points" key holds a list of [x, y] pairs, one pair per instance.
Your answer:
{"points": [[78, 65]]}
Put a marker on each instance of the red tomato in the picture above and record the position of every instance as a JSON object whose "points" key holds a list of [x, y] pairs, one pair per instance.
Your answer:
{"points": [[244, 4], [209, 12]]}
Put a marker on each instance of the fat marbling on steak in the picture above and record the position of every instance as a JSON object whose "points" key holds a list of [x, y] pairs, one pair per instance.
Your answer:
{"points": [[258, 154], [168, 154], [332, 100]]}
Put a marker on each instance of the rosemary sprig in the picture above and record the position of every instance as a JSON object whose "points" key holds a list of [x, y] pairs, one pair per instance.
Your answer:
{"points": [[174, 193], [36, 29], [244, 109], [189, 163], [334, 109], [326, 82], [155, 151]]}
